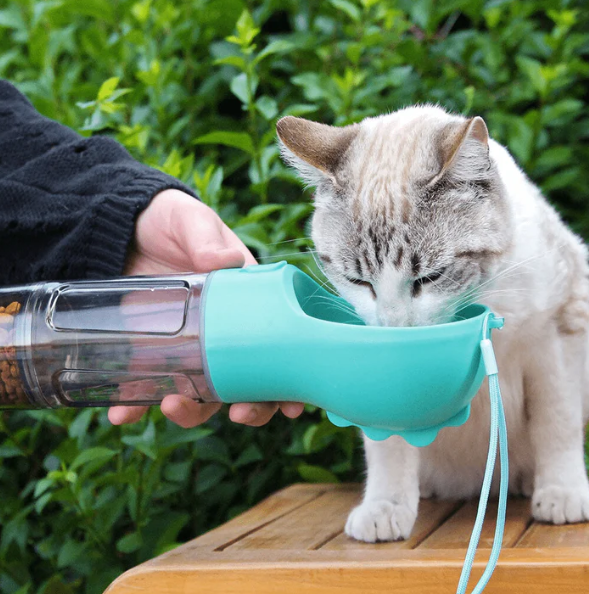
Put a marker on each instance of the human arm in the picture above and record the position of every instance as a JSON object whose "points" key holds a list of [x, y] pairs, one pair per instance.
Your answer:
{"points": [[83, 208]]}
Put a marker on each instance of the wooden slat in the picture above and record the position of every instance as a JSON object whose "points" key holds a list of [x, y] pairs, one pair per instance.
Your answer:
{"points": [[455, 533], [430, 515], [277, 505], [308, 527], [548, 536], [420, 573], [264, 559]]}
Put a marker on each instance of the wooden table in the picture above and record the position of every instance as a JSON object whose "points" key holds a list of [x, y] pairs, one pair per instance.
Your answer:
{"points": [[293, 543]]}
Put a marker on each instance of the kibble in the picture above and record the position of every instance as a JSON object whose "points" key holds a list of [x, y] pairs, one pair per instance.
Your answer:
{"points": [[11, 389]]}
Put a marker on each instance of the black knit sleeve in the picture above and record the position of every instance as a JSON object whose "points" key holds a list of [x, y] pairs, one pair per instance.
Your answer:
{"points": [[68, 204]]}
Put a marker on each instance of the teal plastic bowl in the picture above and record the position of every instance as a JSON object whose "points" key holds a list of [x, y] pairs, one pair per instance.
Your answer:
{"points": [[271, 333]]}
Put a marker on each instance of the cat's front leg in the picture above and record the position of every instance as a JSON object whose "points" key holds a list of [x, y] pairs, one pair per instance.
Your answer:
{"points": [[389, 507], [554, 399]]}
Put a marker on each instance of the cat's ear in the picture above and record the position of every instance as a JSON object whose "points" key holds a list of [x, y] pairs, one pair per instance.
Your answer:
{"points": [[464, 150], [314, 149]]}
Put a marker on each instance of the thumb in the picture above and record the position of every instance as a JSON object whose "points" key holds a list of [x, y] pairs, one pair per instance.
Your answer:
{"points": [[199, 233], [215, 258]]}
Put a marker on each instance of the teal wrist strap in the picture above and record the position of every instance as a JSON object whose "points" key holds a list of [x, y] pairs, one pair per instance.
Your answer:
{"points": [[498, 434]]}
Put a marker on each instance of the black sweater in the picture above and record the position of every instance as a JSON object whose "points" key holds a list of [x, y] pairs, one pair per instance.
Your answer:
{"points": [[68, 204]]}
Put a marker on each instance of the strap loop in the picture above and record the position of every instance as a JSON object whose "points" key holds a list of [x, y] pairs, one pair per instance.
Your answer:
{"points": [[498, 436]]}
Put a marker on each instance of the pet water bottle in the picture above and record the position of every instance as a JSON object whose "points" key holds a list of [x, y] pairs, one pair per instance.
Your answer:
{"points": [[99, 343]]}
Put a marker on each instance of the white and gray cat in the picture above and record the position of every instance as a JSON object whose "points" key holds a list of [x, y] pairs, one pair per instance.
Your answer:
{"points": [[417, 212]]}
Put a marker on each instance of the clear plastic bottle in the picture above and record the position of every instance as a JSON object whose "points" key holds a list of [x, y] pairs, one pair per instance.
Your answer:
{"points": [[98, 343]]}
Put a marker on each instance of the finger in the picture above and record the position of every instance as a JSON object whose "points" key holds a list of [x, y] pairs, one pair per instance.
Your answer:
{"points": [[253, 415], [208, 242], [197, 230], [186, 412], [292, 409], [233, 241], [205, 260], [119, 415]]}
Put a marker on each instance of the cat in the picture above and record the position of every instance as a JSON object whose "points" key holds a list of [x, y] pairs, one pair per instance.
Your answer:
{"points": [[417, 212]]}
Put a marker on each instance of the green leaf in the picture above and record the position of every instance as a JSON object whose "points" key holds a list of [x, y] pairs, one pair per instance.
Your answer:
{"points": [[79, 426], [562, 179], [92, 454], [562, 112], [97, 9], [349, 8], [213, 449], [279, 46], [299, 109], [250, 455], [253, 235], [239, 140], [69, 553], [237, 61], [246, 28], [178, 471], [178, 435], [316, 85], [521, 137], [209, 476], [107, 88], [11, 17], [42, 486], [267, 107], [257, 213], [129, 543], [57, 585], [10, 451], [316, 474], [150, 77], [144, 443], [42, 502], [533, 69], [553, 158], [141, 10], [163, 530], [243, 88]]}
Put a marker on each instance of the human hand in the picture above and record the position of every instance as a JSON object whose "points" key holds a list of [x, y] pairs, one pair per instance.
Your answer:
{"points": [[177, 233]]}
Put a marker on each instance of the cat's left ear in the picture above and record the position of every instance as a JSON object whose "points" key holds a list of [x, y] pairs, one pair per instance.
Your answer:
{"points": [[464, 150]]}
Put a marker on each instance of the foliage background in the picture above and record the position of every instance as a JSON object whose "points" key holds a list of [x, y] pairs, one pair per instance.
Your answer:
{"points": [[195, 88]]}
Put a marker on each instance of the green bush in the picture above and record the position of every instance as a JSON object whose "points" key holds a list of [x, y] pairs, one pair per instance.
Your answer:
{"points": [[195, 88]]}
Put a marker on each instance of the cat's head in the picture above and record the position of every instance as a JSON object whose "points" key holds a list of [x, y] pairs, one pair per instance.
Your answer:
{"points": [[411, 213]]}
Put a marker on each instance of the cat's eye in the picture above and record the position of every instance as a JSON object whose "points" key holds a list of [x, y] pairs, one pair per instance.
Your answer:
{"points": [[362, 283], [432, 277]]}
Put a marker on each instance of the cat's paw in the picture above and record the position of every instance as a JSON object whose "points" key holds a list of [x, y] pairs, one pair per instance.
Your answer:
{"points": [[381, 520], [560, 505]]}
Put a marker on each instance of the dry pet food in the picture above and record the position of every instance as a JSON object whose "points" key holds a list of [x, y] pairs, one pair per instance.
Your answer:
{"points": [[11, 389]]}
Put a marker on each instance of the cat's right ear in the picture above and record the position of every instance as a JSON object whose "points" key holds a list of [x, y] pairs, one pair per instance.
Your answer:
{"points": [[464, 150], [314, 149]]}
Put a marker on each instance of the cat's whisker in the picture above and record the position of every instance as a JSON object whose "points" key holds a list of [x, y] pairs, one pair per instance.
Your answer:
{"points": [[285, 255], [325, 284], [519, 264], [318, 262], [477, 292], [301, 239], [466, 300], [322, 282]]}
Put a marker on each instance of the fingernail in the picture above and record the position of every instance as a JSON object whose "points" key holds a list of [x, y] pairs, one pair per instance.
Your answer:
{"points": [[252, 416]]}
